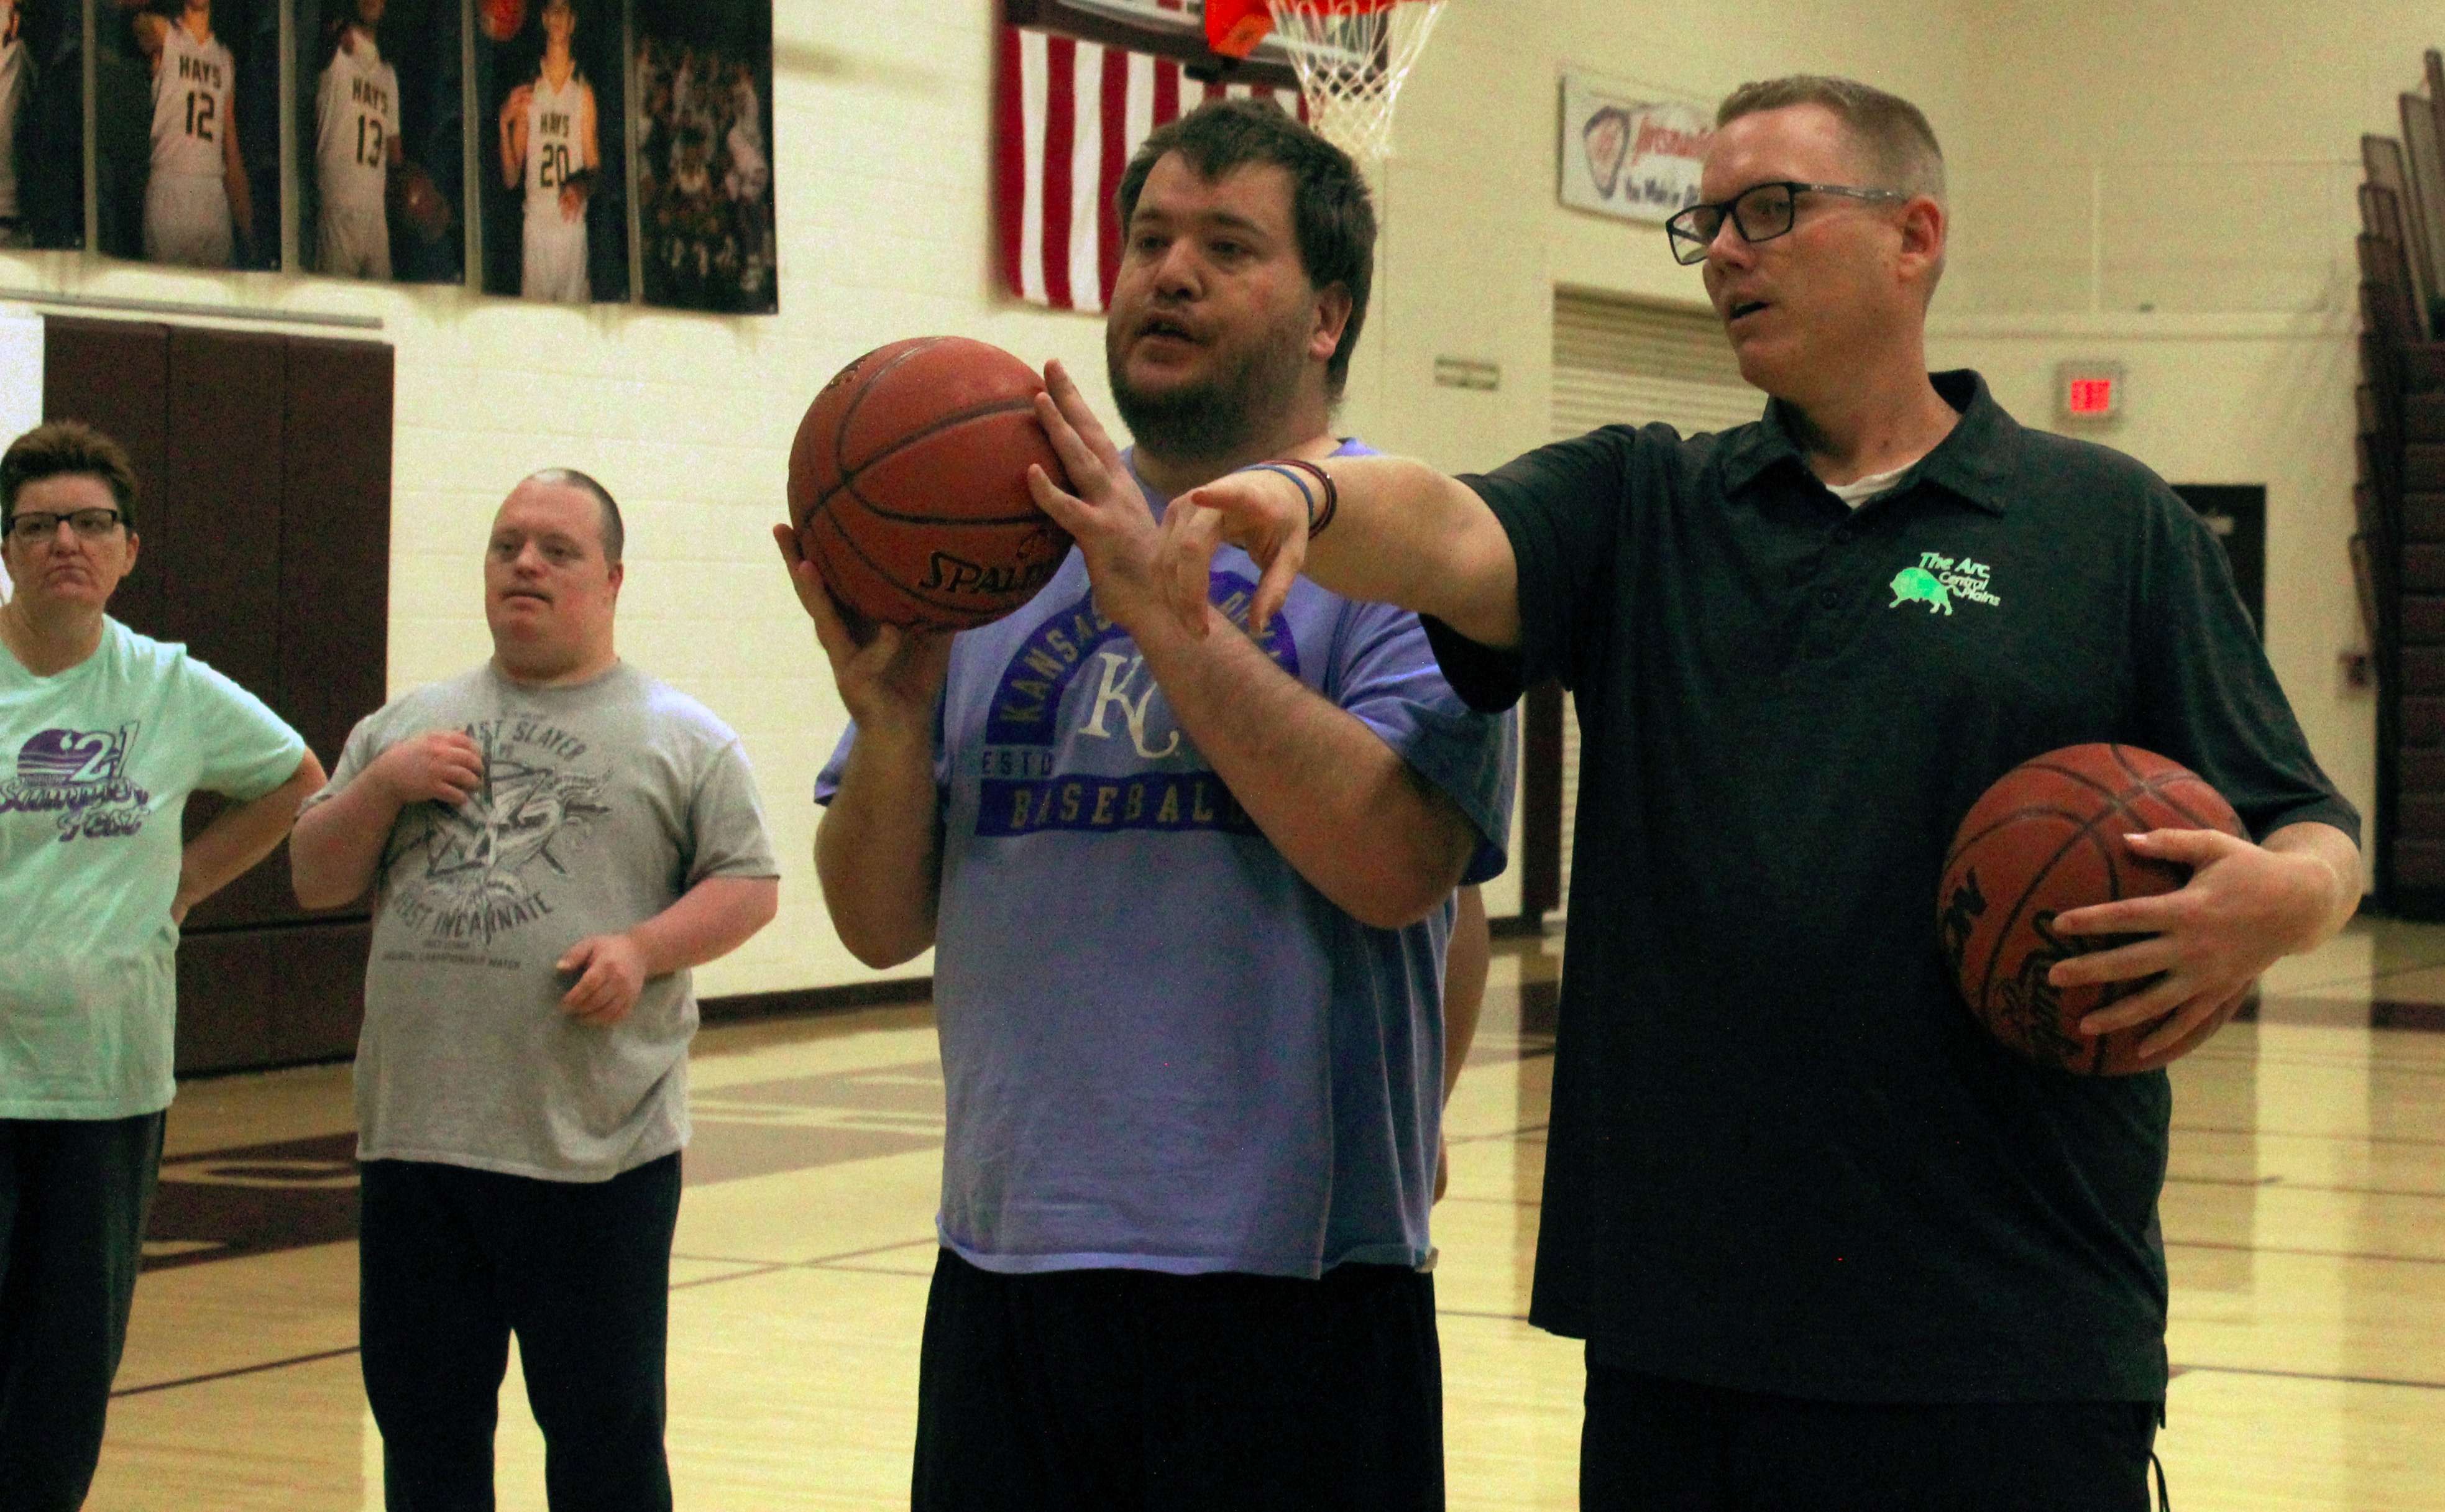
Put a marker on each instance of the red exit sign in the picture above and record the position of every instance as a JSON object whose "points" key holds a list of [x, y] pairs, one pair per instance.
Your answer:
{"points": [[2089, 391]]}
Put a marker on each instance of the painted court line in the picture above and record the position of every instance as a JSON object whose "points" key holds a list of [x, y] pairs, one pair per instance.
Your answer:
{"points": [[2313, 1375], [234, 1371], [2285, 1183], [2311, 1254], [2289, 1133]]}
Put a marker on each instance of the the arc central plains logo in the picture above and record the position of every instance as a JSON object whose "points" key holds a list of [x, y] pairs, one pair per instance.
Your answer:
{"points": [[82, 777], [1938, 580]]}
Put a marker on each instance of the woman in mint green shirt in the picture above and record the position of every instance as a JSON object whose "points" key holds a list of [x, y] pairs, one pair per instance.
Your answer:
{"points": [[103, 734]]}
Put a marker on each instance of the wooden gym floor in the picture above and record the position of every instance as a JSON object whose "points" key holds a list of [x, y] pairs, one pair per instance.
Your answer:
{"points": [[2304, 1218]]}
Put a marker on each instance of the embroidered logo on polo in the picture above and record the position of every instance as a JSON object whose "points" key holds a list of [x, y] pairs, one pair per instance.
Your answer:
{"points": [[1939, 580], [1077, 692], [81, 776], [488, 864]]}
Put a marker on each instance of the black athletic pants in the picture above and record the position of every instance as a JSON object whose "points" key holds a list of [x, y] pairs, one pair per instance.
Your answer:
{"points": [[451, 1261], [1125, 1390], [1653, 1445], [73, 1198]]}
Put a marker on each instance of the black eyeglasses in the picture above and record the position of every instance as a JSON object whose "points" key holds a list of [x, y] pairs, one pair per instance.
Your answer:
{"points": [[31, 525], [1759, 213]]}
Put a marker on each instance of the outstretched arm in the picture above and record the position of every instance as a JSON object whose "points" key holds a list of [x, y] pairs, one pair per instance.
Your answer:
{"points": [[1400, 533]]}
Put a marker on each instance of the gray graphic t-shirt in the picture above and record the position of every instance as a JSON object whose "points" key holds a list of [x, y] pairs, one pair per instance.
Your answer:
{"points": [[603, 803]]}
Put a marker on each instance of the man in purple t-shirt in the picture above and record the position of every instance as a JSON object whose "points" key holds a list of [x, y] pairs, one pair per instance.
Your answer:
{"points": [[1190, 896]]}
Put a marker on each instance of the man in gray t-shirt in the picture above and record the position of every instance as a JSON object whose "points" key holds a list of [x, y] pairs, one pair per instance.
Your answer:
{"points": [[553, 839]]}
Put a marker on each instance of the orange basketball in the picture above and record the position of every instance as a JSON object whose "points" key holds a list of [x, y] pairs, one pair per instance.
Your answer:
{"points": [[501, 19], [2047, 838], [908, 485], [418, 203]]}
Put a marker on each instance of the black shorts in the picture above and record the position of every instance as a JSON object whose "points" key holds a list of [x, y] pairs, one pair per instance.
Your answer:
{"points": [[1653, 1445], [1122, 1390]]}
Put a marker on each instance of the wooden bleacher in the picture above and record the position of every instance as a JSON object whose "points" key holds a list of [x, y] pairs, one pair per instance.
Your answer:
{"points": [[2398, 550]]}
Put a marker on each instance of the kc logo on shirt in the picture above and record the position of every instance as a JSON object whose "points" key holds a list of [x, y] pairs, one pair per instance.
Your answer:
{"points": [[1074, 696]]}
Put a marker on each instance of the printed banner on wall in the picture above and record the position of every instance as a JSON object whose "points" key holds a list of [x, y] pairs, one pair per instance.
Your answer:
{"points": [[705, 153], [42, 123], [380, 118], [186, 116], [552, 155], [1631, 159]]}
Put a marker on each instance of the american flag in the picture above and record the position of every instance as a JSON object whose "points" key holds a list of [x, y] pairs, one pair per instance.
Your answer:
{"points": [[1068, 116]]}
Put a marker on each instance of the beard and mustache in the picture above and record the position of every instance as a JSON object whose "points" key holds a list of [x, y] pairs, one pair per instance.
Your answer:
{"points": [[1223, 415]]}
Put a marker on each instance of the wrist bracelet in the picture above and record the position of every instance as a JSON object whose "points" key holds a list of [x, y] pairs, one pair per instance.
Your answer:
{"points": [[1296, 481], [1316, 518]]}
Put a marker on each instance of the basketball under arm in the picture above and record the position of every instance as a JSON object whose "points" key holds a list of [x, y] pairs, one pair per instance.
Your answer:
{"points": [[1396, 532], [2324, 843]]}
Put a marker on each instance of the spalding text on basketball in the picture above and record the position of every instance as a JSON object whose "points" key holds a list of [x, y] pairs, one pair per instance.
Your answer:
{"points": [[953, 574], [1960, 918], [2031, 1002]]}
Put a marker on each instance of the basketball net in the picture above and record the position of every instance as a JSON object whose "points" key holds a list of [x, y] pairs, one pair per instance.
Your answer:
{"points": [[1352, 57]]}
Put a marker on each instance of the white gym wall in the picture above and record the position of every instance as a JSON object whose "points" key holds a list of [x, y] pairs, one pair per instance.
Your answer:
{"points": [[883, 170]]}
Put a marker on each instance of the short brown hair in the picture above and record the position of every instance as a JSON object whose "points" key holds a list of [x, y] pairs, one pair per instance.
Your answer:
{"points": [[67, 447], [1332, 212], [1900, 144]]}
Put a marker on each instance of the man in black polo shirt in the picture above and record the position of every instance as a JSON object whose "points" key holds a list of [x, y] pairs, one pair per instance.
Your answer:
{"points": [[1831, 1247]]}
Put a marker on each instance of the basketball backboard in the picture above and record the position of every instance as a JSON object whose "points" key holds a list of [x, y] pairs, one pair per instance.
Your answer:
{"points": [[1168, 28]]}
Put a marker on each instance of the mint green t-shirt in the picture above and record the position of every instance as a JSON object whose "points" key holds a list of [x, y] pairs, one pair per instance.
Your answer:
{"points": [[96, 764]]}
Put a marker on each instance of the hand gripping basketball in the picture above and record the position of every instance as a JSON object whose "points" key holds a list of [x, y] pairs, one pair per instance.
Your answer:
{"points": [[2244, 909], [889, 676], [2030, 864], [1105, 512]]}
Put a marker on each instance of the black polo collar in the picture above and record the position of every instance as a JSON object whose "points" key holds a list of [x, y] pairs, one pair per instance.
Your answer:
{"points": [[1973, 463]]}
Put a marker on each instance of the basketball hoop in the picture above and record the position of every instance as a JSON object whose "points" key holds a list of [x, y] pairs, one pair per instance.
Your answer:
{"points": [[1352, 57]]}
